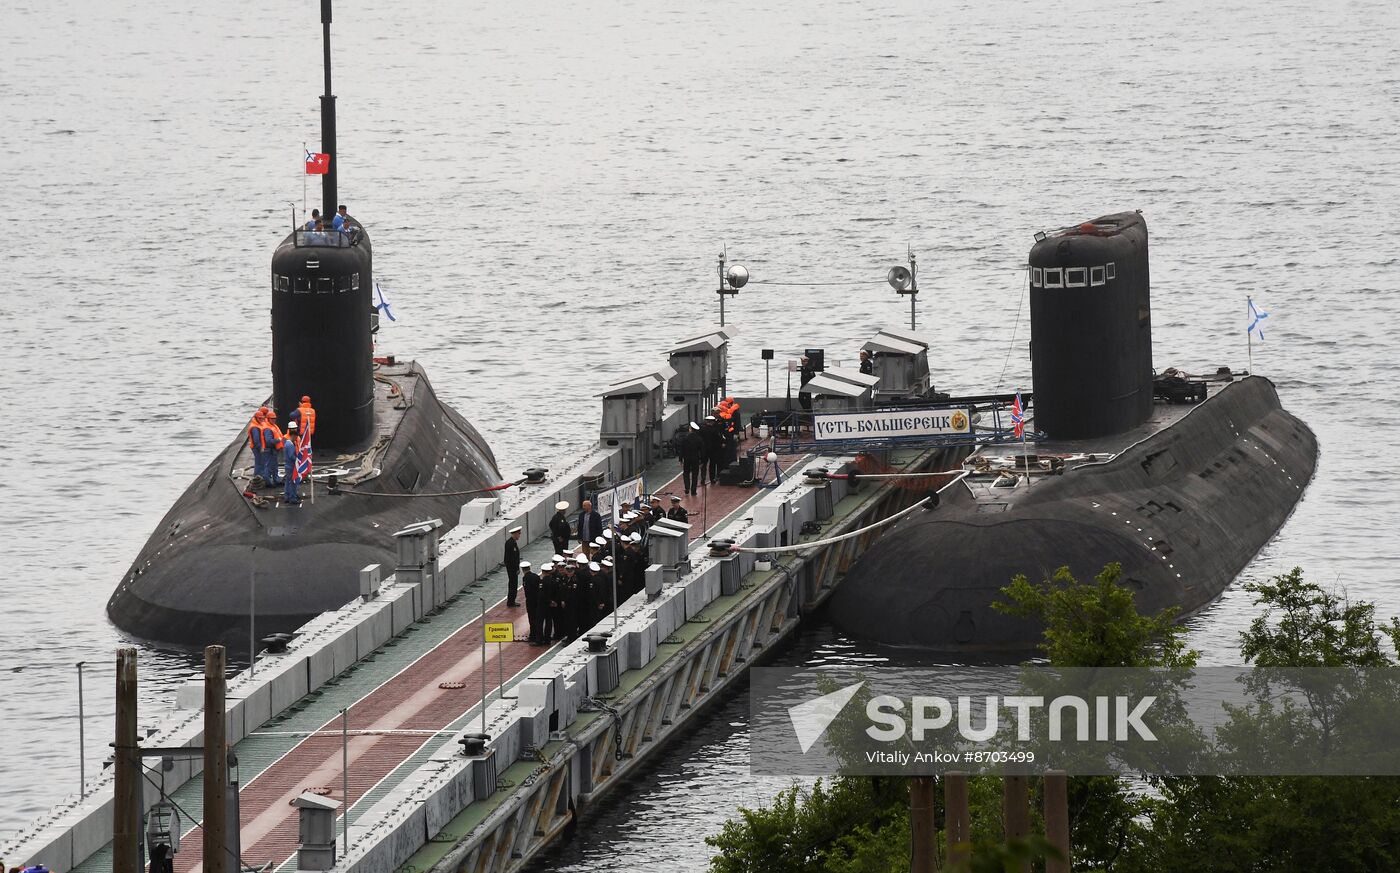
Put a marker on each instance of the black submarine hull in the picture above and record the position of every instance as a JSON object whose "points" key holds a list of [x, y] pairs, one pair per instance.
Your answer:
{"points": [[192, 584], [1183, 511]]}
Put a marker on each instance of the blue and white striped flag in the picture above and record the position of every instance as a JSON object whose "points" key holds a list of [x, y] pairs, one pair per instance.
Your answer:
{"points": [[383, 305], [1255, 317]]}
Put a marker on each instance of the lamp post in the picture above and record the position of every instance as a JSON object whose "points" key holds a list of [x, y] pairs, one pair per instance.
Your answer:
{"points": [[905, 280], [82, 754], [730, 281]]}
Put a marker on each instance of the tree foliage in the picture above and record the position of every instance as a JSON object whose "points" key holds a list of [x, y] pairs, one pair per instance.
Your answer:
{"points": [[1096, 624], [1210, 824]]}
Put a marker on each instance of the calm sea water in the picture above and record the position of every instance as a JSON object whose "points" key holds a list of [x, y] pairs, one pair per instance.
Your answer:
{"points": [[548, 186]]}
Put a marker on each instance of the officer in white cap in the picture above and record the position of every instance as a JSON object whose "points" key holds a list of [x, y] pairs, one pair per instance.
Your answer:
{"points": [[678, 512], [549, 591], [691, 448], [713, 438], [512, 562], [531, 584], [559, 527]]}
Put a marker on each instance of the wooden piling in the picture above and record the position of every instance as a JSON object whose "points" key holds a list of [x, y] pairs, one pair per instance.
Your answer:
{"points": [[1016, 810], [1057, 819], [128, 794], [959, 833], [923, 830], [216, 854]]}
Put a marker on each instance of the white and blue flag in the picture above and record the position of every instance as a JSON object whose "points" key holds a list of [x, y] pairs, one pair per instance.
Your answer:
{"points": [[1256, 319], [383, 305]]}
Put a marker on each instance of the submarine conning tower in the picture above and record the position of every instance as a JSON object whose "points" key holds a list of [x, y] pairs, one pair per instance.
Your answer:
{"points": [[321, 333], [1091, 328]]}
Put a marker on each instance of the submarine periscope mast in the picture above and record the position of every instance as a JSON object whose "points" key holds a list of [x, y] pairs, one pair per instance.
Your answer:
{"points": [[388, 454]]}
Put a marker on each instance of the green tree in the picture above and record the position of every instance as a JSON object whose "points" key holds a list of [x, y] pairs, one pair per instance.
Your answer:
{"points": [[849, 825], [1096, 624], [1257, 824]]}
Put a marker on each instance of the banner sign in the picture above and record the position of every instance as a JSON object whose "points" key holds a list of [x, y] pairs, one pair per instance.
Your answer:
{"points": [[628, 493], [890, 423]]}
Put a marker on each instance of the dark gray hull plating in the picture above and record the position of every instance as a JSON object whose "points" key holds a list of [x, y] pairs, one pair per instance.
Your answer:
{"points": [[190, 586], [1184, 511]]}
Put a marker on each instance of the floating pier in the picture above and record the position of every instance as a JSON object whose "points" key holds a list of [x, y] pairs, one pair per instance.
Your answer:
{"points": [[378, 706]]}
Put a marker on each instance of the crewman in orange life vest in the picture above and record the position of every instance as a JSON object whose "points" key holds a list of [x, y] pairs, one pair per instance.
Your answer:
{"points": [[273, 439], [257, 441], [305, 416]]}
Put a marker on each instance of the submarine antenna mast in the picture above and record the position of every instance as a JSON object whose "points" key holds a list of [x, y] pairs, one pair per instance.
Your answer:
{"points": [[328, 180]]}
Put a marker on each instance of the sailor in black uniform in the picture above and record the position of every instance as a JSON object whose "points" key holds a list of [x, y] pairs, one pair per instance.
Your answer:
{"points": [[549, 594], [867, 366], [691, 448], [563, 592], [512, 562], [603, 589], [807, 374], [559, 531], [531, 584], [714, 448], [634, 567], [678, 512]]}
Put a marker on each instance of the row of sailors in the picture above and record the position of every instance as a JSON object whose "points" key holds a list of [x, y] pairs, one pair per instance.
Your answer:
{"points": [[269, 443], [574, 590], [572, 593]]}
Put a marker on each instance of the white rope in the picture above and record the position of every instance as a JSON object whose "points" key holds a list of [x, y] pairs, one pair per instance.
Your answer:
{"points": [[845, 536], [864, 476]]}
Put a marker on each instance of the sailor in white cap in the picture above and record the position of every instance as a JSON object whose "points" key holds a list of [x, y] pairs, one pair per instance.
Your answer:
{"points": [[559, 527], [691, 447], [558, 559], [549, 590], [678, 512], [580, 558], [512, 562], [531, 583], [713, 438]]}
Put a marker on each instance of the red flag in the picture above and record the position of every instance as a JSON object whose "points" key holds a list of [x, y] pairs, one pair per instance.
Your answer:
{"points": [[317, 163]]}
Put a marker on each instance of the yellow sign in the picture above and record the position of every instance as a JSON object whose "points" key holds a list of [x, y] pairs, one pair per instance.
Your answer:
{"points": [[500, 633]]}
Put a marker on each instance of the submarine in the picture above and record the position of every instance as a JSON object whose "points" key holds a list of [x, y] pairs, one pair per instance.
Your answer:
{"points": [[386, 453], [1181, 479]]}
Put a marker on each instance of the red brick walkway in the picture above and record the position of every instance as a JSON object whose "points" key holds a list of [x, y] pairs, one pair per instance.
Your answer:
{"points": [[411, 700]]}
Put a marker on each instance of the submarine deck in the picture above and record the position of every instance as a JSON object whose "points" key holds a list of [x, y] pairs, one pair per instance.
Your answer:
{"points": [[397, 712], [395, 389], [989, 462]]}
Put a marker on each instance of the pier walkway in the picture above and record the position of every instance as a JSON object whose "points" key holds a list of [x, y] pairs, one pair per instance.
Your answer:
{"points": [[399, 712]]}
